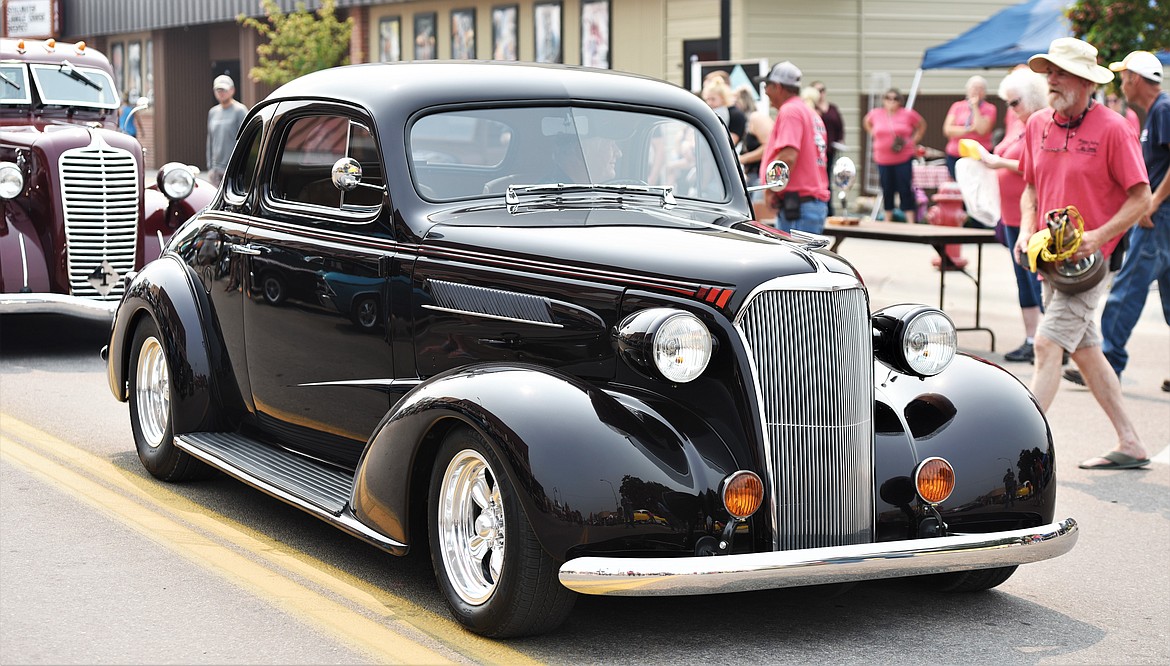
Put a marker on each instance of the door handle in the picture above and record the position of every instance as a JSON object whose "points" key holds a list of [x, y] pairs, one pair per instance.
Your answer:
{"points": [[250, 250]]}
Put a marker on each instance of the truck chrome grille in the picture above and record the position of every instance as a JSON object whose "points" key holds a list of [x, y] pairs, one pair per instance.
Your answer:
{"points": [[811, 353], [99, 195]]}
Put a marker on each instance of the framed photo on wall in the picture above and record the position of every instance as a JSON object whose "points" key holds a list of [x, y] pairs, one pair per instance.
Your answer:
{"points": [[595, 33], [134, 69], [118, 63], [390, 39], [546, 19], [424, 36], [463, 34], [504, 20]]}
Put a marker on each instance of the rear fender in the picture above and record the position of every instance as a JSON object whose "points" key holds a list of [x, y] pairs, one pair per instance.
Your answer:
{"points": [[163, 292], [595, 470]]}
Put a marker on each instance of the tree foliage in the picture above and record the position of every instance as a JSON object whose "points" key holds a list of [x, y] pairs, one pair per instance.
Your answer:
{"points": [[299, 42], [1117, 27]]}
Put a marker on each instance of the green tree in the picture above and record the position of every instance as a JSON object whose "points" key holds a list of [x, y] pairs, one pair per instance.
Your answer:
{"points": [[1117, 27], [298, 43]]}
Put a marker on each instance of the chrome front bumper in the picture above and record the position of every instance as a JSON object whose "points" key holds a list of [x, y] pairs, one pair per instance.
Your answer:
{"points": [[627, 576], [74, 306]]}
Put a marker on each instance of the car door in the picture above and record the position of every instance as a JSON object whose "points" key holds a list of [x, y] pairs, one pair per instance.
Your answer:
{"points": [[318, 291]]}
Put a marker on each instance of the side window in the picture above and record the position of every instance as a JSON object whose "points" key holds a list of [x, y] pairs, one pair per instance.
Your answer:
{"points": [[312, 145], [242, 172]]}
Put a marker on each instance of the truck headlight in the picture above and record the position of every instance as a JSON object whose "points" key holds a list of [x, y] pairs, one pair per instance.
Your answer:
{"points": [[666, 343], [915, 339], [176, 180], [11, 180]]}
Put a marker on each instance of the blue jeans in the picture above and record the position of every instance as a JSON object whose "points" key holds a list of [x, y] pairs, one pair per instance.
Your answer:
{"points": [[1028, 288], [812, 218], [1148, 260]]}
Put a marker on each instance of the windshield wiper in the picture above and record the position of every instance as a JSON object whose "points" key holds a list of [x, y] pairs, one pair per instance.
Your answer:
{"points": [[9, 81], [512, 195], [68, 69]]}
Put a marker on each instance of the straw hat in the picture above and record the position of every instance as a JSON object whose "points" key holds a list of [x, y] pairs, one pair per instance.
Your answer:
{"points": [[1074, 56]]}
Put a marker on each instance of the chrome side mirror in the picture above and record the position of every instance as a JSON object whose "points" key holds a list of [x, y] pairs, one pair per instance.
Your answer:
{"points": [[844, 173], [777, 177], [346, 174]]}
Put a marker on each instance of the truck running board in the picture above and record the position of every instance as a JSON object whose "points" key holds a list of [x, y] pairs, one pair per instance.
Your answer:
{"points": [[312, 486]]}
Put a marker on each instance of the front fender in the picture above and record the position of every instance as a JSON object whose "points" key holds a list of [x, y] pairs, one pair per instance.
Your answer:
{"points": [[163, 292], [596, 471], [987, 424]]}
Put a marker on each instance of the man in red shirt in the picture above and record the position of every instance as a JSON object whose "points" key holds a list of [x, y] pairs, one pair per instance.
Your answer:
{"points": [[1082, 154], [798, 139]]}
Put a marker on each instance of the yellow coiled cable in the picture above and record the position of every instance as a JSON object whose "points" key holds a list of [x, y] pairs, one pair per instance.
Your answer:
{"points": [[1059, 240]]}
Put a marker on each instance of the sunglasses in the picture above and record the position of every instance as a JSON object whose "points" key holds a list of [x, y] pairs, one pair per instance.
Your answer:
{"points": [[1014, 103], [891, 98], [1068, 134]]}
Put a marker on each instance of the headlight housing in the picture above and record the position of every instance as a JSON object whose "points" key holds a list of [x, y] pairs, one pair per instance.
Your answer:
{"points": [[666, 344], [11, 180], [914, 339], [176, 180]]}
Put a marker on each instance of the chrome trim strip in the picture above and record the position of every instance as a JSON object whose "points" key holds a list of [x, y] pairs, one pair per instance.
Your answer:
{"points": [[23, 259], [74, 306], [344, 521], [630, 576], [367, 383], [490, 316]]}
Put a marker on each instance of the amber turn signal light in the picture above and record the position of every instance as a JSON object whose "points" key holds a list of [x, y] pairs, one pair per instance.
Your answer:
{"points": [[743, 492], [935, 480]]}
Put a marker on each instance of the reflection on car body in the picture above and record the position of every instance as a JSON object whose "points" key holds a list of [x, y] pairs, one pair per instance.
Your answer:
{"points": [[616, 382]]}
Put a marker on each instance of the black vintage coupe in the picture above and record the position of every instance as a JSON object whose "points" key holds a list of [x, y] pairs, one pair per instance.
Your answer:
{"points": [[522, 315]]}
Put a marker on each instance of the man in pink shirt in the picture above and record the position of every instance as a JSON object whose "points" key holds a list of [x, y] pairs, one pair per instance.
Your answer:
{"points": [[798, 138], [1081, 154]]}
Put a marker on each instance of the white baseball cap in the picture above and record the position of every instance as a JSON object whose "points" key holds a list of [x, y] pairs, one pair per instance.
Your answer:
{"points": [[1142, 63], [223, 82], [784, 73]]}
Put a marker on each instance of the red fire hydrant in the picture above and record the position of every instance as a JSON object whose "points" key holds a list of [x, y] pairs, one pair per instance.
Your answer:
{"points": [[948, 212]]}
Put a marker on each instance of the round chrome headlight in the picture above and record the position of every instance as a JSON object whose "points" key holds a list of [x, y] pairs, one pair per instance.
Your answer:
{"points": [[915, 339], [666, 343], [176, 180], [929, 342], [11, 180]]}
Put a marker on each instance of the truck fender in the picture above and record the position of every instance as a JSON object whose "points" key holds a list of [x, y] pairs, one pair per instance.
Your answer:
{"points": [[580, 457], [163, 291]]}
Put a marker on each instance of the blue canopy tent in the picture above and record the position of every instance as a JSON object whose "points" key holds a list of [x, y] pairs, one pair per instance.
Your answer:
{"points": [[1008, 38]]}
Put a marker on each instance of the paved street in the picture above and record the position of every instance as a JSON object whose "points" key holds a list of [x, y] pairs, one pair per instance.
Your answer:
{"points": [[100, 563]]}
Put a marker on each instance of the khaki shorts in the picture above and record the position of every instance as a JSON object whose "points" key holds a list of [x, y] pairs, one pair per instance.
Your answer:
{"points": [[1070, 319]]}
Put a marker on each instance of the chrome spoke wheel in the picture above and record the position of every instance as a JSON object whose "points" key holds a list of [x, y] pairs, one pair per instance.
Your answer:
{"points": [[153, 392], [471, 527]]}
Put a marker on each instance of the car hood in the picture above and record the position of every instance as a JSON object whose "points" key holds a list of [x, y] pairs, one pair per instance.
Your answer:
{"points": [[63, 136], [666, 248]]}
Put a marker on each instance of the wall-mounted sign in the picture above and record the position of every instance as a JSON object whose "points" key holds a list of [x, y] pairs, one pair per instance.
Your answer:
{"points": [[37, 19]]}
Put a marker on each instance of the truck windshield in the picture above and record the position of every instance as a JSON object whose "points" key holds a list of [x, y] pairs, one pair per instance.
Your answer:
{"points": [[14, 84], [69, 85]]}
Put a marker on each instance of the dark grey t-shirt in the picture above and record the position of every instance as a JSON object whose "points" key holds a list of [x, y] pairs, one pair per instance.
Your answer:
{"points": [[222, 125]]}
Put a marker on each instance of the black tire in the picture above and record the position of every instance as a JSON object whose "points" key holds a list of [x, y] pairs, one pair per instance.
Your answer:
{"points": [[151, 420], [970, 581], [524, 597], [366, 313], [273, 288]]}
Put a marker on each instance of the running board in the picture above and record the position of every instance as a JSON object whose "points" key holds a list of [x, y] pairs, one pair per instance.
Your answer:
{"points": [[311, 486]]}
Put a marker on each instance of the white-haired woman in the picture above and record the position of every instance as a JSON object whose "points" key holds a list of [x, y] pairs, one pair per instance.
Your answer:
{"points": [[1025, 92], [970, 118]]}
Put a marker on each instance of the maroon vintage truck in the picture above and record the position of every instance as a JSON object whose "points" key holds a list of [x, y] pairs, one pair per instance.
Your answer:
{"points": [[77, 215]]}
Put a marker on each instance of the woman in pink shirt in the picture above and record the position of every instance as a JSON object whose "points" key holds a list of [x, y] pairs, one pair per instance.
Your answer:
{"points": [[896, 132], [971, 118], [1025, 93]]}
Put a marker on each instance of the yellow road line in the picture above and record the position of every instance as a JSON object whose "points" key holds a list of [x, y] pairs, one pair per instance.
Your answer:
{"points": [[364, 595]]}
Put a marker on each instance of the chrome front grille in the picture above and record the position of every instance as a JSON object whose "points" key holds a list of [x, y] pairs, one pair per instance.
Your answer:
{"points": [[811, 352], [99, 194]]}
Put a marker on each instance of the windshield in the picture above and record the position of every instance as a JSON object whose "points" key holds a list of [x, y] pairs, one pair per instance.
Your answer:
{"points": [[14, 84], [68, 85], [482, 152]]}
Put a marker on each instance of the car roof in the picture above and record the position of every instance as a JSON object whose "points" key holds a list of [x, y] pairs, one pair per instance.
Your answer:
{"points": [[39, 51], [409, 86]]}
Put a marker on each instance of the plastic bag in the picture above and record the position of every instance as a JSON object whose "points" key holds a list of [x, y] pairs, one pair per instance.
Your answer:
{"points": [[980, 188]]}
